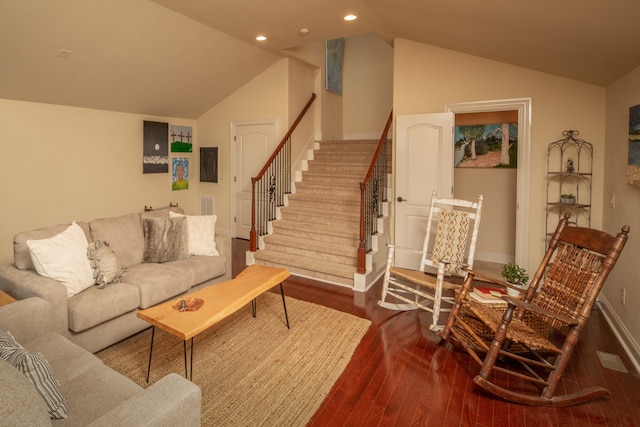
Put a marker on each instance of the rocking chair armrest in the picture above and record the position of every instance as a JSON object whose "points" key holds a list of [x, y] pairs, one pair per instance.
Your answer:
{"points": [[518, 303], [486, 278]]}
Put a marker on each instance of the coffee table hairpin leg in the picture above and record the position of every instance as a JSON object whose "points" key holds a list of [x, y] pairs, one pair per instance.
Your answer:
{"points": [[190, 375], [284, 304]]}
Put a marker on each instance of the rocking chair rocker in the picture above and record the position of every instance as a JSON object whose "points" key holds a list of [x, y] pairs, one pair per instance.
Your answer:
{"points": [[449, 246], [562, 294]]}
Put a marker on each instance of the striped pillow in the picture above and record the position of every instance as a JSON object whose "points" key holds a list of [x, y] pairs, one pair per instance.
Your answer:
{"points": [[36, 368]]}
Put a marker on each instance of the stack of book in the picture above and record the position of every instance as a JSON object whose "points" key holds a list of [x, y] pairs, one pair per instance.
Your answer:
{"points": [[488, 295]]}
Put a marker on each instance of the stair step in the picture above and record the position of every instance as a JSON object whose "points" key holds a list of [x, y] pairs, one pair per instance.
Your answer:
{"points": [[312, 249], [315, 204], [352, 200], [308, 267], [346, 178], [319, 165], [349, 215], [335, 191], [322, 232], [312, 220]]}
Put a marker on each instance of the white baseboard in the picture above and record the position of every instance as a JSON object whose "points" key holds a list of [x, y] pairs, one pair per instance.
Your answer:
{"points": [[621, 332]]}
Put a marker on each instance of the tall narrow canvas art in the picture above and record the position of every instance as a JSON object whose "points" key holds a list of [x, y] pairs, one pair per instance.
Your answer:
{"points": [[633, 166], [155, 147], [180, 174], [335, 59]]}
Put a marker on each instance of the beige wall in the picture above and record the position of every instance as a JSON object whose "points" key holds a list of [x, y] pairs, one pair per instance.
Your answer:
{"points": [[279, 93], [368, 86], [265, 97], [426, 78], [621, 95], [59, 164]]}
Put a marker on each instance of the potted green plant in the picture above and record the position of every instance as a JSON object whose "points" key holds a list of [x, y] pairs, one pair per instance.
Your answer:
{"points": [[516, 276], [568, 198]]}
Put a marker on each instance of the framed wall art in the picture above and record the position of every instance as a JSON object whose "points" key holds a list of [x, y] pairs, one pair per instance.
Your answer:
{"points": [[633, 164], [155, 150], [208, 164]]}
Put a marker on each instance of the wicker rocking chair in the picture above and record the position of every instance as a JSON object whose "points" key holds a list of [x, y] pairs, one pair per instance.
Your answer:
{"points": [[561, 294], [449, 246]]}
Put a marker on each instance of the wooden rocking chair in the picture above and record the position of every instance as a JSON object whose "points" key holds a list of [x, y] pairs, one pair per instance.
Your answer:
{"points": [[561, 294], [449, 246]]}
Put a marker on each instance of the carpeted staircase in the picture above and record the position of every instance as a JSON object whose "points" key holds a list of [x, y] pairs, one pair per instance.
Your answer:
{"points": [[317, 233]]}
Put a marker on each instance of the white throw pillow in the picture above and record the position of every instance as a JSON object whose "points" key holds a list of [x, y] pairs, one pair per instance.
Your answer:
{"points": [[63, 257], [201, 230]]}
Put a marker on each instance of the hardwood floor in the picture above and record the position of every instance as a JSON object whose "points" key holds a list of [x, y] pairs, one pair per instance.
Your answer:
{"points": [[402, 375]]}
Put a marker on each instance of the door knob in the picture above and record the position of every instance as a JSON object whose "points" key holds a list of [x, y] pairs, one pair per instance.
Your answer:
{"points": [[400, 199]]}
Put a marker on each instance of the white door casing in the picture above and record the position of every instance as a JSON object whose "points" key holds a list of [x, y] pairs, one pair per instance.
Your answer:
{"points": [[252, 144], [423, 162]]}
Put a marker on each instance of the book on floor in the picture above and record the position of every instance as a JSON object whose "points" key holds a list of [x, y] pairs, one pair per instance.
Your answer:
{"points": [[489, 293]]}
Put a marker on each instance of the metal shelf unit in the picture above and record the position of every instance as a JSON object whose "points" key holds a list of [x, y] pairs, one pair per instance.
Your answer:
{"points": [[569, 171]]}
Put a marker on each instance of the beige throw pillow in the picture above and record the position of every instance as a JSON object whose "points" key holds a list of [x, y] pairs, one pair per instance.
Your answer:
{"points": [[63, 257], [201, 231]]}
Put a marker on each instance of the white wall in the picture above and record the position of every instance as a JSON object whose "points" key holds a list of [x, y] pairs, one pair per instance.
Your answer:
{"points": [[59, 164]]}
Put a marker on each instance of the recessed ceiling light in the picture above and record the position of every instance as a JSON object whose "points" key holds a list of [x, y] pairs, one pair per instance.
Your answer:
{"points": [[261, 38], [303, 31], [64, 53], [350, 18]]}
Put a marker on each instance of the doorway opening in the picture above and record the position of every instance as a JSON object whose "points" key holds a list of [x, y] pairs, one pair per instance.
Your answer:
{"points": [[502, 182]]}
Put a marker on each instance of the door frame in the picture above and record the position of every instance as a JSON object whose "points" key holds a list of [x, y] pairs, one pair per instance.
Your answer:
{"points": [[233, 125], [523, 106]]}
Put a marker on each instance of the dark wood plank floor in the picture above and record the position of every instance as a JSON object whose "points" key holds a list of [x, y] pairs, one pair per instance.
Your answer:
{"points": [[402, 375]]}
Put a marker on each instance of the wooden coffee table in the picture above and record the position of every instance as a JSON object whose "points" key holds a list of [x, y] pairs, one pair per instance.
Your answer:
{"points": [[218, 302]]}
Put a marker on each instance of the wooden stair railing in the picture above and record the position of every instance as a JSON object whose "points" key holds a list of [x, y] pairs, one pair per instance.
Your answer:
{"points": [[373, 192], [272, 182]]}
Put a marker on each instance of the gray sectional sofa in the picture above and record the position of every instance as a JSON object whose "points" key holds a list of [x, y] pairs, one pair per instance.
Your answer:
{"points": [[93, 394], [96, 318]]}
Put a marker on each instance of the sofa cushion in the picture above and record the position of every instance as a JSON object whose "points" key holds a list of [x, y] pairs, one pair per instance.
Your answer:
{"points": [[157, 282], [35, 367], [97, 391], [67, 359], [201, 268], [63, 257], [94, 306], [201, 230], [124, 235], [21, 403], [165, 239], [21, 253]]}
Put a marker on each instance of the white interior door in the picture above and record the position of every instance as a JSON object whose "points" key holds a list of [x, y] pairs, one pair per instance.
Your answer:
{"points": [[423, 162], [253, 144]]}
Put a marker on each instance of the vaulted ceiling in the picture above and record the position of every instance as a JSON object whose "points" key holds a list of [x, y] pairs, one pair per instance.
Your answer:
{"points": [[179, 58]]}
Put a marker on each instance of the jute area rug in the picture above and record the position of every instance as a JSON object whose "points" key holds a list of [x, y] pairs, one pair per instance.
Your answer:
{"points": [[253, 372]]}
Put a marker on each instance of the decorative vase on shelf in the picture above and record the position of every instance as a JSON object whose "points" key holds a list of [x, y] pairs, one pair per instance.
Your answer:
{"points": [[568, 199], [516, 276]]}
